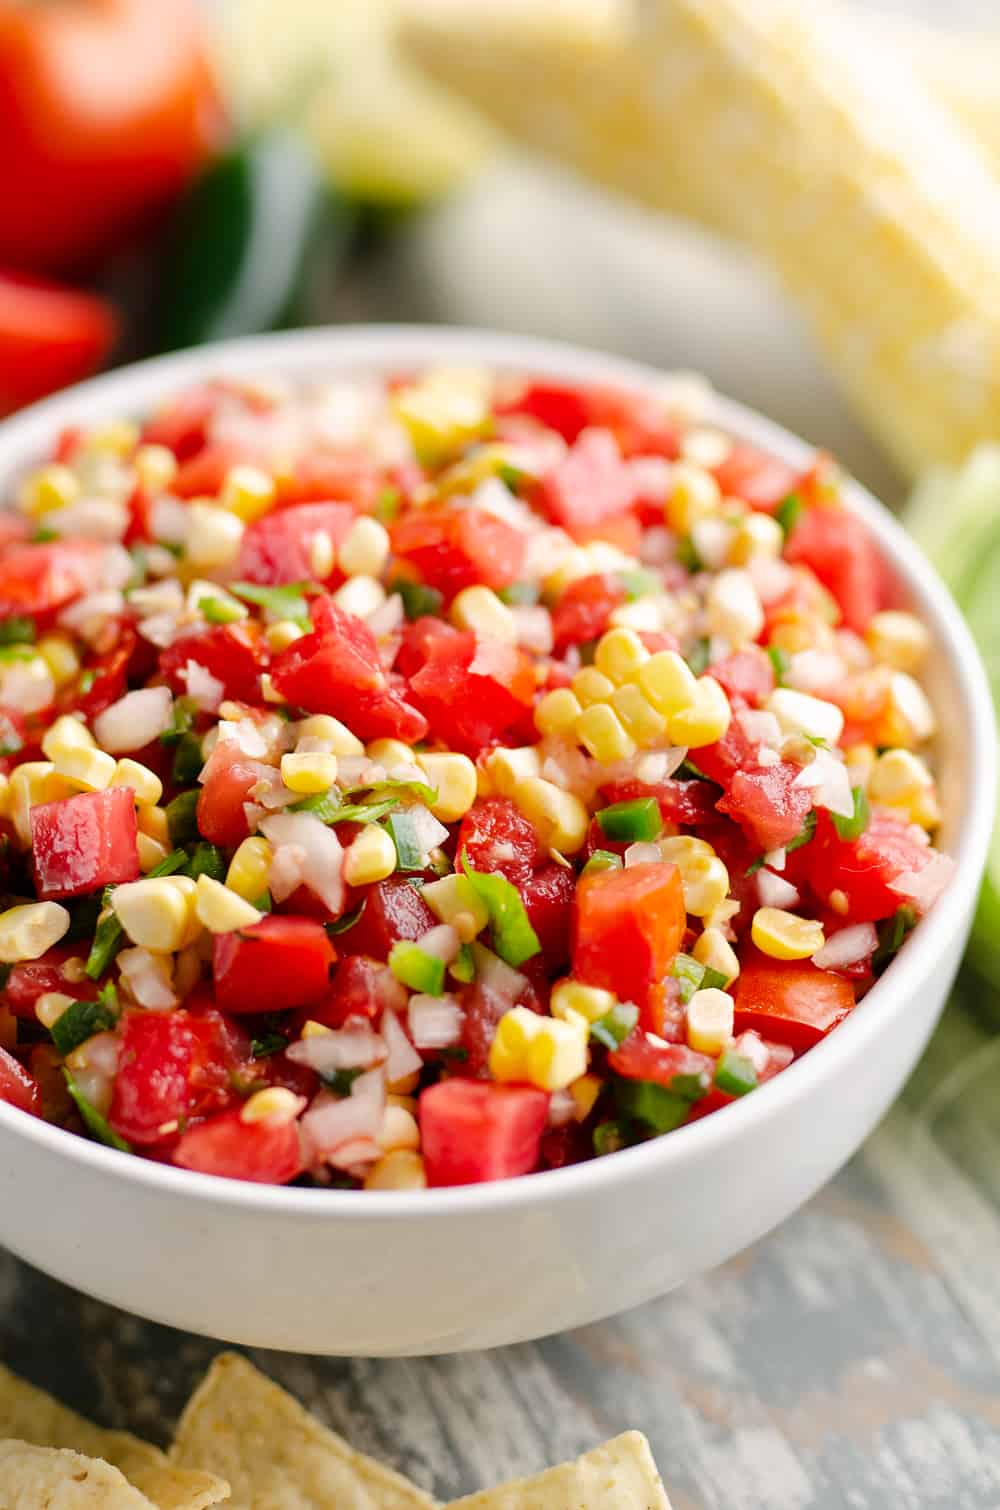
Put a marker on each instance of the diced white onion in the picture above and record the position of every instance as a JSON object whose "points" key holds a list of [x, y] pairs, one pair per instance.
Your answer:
{"points": [[498, 979], [427, 831], [776, 858], [387, 618], [323, 866], [441, 942], [203, 688], [827, 778], [26, 685], [775, 891], [562, 1108], [354, 1047], [772, 578], [759, 726], [642, 853], [92, 519], [403, 1058], [751, 1046], [846, 947], [533, 625], [88, 616], [168, 520], [135, 720], [245, 733], [814, 671], [923, 887], [435, 1022], [331, 1123], [148, 978]]}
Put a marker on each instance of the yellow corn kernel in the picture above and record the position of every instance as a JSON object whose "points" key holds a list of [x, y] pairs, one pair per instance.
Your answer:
{"points": [[898, 639], [220, 909], [464, 475], [115, 438], [572, 996], [453, 777], [29, 784], [58, 653], [313, 1029], [213, 536], [901, 779], [275, 1104], [408, 1103], [706, 720], [480, 610], [146, 785], [51, 487], [403, 1169], [155, 912], [50, 1006], [714, 950], [619, 655], [757, 535], [800, 713], [559, 818], [154, 822], [364, 549], [733, 606], [510, 769], [93, 770], [5, 797], [248, 492], [694, 495], [150, 852], [155, 468], [250, 868], [443, 411], [453, 898], [360, 595], [282, 634], [704, 877], [557, 711], [783, 935], [335, 736], [860, 761], [322, 555], [399, 1130], [548, 1052], [585, 1092], [390, 753], [911, 718], [600, 731], [66, 733], [591, 686], [710, 1020], [667, 681], [370, 857], [645, 724], [28, 931], [309, 774]]}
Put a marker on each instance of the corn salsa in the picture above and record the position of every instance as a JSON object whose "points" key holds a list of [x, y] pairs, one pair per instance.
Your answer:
{"points": [[424, 781]]}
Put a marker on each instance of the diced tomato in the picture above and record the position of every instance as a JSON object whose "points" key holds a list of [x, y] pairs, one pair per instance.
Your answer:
{"points": [[584, 611], [733, 752], [171, 1066], [548, 899], [82, 843], [498, 840], [418, 641], [473, 691], [33, 978], [277, 548], [473, 1130], [864, 868], [643, 1057], [182, 424], [280, 962], [109, 673], [336, 670], [17, 1087], [557, 407], [202, 475], [687, 803], [225, 1145], [452, 548], [639, 423], [662, 1012], [590, 486], [228, 777], [319, 476], [393, 910], [767, 804], [13, 529], [747, 674], [838, 547], [232, 653], [761, 480], [627, 927], [360, 987], [738, 854], [790, 1000], [39, 579]]}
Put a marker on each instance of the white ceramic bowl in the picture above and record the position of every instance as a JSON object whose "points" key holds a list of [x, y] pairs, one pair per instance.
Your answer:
{"points": [[445, 1270]]}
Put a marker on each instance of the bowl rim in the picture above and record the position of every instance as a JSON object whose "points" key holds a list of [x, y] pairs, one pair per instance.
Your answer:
{"points": [[377, 348]]}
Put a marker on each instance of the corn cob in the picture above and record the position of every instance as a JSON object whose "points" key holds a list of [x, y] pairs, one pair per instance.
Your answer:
{"points": [[834, 163]]}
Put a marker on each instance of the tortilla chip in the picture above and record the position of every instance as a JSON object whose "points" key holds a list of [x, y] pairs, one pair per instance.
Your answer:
{"points": [[33, 1476], [276, 1455], [620, 1475], [33, 1416]]}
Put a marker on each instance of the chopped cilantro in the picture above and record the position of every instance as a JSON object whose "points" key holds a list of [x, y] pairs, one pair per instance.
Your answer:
{"points": [[267, 1044], [328, 808], [347, 921], [340, 1081], [17, 630], [98, 1126], [787, 513], [83, 1019], [780, 660], [207, 860], [804, 834], [182, 818], [652, 1104], [418, 599]]}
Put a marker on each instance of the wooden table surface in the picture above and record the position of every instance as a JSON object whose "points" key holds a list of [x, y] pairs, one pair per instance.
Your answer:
{"points": [[851, 1358]]}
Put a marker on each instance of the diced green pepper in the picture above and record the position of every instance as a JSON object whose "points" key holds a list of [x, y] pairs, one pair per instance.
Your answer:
{"points": [[649, 1103], [854, 827], [735, 1074], [602, 859], [514, 939], [631, 822], [415, 968], [614, 1027], [182, 818]]}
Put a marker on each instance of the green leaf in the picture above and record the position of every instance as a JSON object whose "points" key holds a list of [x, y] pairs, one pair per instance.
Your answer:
{"points": [[602, 859], [418, 599], [652, 1104], [285, 602], [182, 818], [17, 630], [96, 1125], [632, 821], [404, 831], [415, 968], [514, 939], [853, 827], [787, 513], [207, 860], [420, 789], [780, 660], [735, 1074], [81, 1021], [614, 1027]]}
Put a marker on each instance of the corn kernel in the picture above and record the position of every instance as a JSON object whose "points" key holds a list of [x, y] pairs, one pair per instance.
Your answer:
{"points": [[591, 686], [364, 550], [480, 610], [282, 634], [115, 438], [667, 681], [585, 1092], [275, 1105], [733, 607], [782, 935], [155, 912], [799, 713], [704, 877], [619, 655], [399, 1130], [572, 996], [694, 495], [443, 411], [5, 797], [50, 487], [29, 784], [370, 857], [710, 1020], [898, 639], [912, 717], [714, 950], [757, 535], [454, 778], [58, 653], [510, 769], [154, 822], [860, 761], [639, 717], [313, 1029], [150, 852], [50, 1006], [309, 774], [548, 1052], [454, 897], [706, 721], [403, 1169], [220, 909], [390, 753], [247, 492], [250, 868], [146, 785], [557, 711], [155, 468], [901, 779], [28, 931], [93, 770], [360, 595], [66, 733], [213, 536], [336, 737], [322, 555], [559, 818], [600, 731]]}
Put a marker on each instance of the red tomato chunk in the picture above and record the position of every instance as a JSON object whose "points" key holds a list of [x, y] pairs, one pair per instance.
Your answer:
{"points": [[226, 1145], [790, 1001], [277, 963], [473, 1131], [628, 926], [82, 843], [17, 1087]]}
